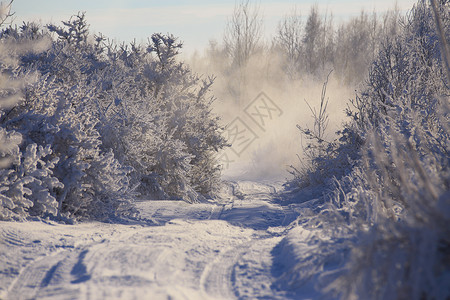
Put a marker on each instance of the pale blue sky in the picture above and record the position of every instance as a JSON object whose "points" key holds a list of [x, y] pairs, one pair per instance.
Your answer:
{"points": [[194, 22]]}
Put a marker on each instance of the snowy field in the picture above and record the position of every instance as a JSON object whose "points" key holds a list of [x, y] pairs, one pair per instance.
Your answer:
{"points": [[230, 248]]}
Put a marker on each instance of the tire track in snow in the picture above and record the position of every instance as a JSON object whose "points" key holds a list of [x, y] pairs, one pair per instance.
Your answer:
{"points": [[57, 274], [12, 238], [217, 277], [230, 274], [218, 250], [39, 274], [242, 272]]}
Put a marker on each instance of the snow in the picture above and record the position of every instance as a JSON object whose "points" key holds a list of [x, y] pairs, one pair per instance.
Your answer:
{"points": [[88, 127], [222, 249]]}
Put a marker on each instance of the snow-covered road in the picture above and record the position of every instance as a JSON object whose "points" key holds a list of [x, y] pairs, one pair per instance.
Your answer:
{"points": [[217, 250]]}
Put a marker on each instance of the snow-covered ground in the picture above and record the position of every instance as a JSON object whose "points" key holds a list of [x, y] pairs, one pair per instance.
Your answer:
{"points": [[235, 247]]}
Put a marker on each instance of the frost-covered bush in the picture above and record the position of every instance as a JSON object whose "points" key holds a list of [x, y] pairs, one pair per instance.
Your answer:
{"points": [[113, 119], [324, 160], [403, 117], [95, 182], [408, 67], [29, 187], [157, 119], [27, 184], [395, 202], [154, 114], [55, 117], [57, 113], [403, 255]]}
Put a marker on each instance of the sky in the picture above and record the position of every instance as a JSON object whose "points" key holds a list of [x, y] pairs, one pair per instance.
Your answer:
{"points": [[195, 22]]}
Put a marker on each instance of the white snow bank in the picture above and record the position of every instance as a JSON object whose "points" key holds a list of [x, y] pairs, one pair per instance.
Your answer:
{"points": [[306, 261]]}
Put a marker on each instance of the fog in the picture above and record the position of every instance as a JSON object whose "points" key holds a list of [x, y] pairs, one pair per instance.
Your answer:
{"points": [[276, 144], [263, 86]]}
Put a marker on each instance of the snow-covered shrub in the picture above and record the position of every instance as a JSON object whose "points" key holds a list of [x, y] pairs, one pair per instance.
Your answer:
{"points": [[405, 98], [115, 117], [407, 65], [324, 160], [317, 148], [395, 202], [95, 183], [155, 115], [29, 187], [58, 113], [27, 184], [405, 253], [404, 119]]}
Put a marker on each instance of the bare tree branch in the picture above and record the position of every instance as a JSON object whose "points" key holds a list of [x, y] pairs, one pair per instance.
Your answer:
{"points": [[243, 32], [5, 12]]}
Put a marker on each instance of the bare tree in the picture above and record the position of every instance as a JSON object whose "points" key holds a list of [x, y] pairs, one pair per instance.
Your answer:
{"points": [[5, 12], [355, 43], [326, 42], [243, 32], [311, 39], [289, 41], [445, 50]]}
